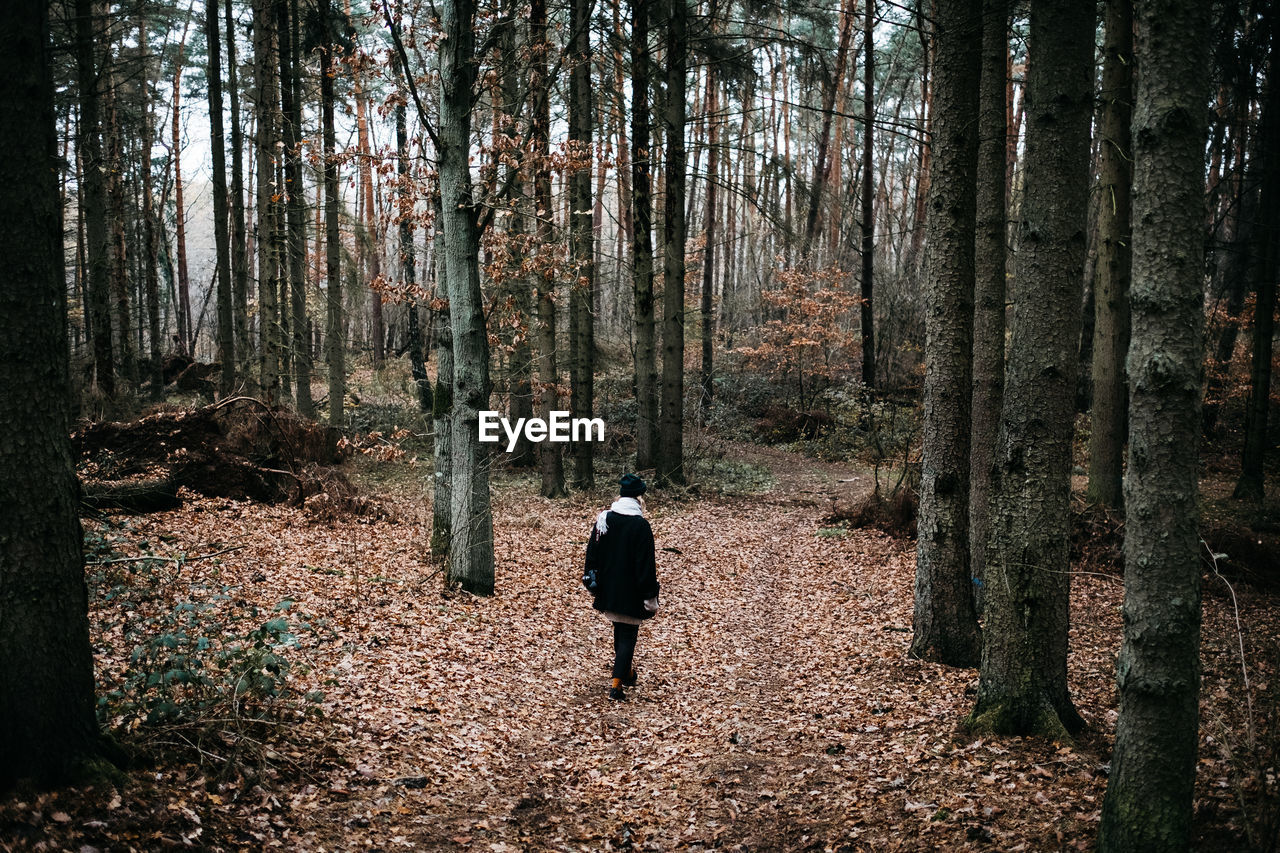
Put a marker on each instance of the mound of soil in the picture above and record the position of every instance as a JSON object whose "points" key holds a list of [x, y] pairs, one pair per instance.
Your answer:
{"points": [[239, 448]]}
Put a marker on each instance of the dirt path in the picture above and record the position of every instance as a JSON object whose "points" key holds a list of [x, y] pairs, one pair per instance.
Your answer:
{"points": [[775, 710]]}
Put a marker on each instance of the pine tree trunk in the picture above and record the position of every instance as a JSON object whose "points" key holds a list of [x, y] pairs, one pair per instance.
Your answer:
{"points": [[1264, 265], [269, 243], [291, 108], [868, 214], [1148, 805], [116, 220], [550, 458], [239, 240], [989, 282], [186, 334], [646, 369], [46, 662], [471, 520], [94, 196], [670, 458], [946, 621], [581, 240], [1023, 687], [222, 240], [829, 94], [150, 243], [1111, 281], [334, 339], [709, 239]]}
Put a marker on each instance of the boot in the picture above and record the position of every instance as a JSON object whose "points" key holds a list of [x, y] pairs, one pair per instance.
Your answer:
{"points": [[615, 692]]}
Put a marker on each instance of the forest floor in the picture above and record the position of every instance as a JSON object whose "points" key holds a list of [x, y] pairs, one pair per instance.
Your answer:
{"points": [[776, 707]]}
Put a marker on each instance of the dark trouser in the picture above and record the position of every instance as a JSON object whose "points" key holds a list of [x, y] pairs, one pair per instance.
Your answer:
{"points": [[624, 648]]}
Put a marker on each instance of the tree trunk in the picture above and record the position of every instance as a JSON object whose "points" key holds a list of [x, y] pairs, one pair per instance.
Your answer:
{"points": [[670, 457], [471, 551], [1148, 805], [269, 243], [149, 240], [225, 303], [442, 416], [186, 334], [46, 662], [94, 196], [946, 620], [989, 282], [1023, 688], [239, 240], [646, 370], [1264, 265], [709, 238], [291, 107], [334, 339], [581, 239], [116, 216], [550, 458], [408, 259], [1111, 282], [868, 217]]}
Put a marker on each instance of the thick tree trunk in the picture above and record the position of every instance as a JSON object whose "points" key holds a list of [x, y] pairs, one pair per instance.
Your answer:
{"points": [[269, 242], [334, 339], [116, 220], [868, 217], [989, 282], [581, 240], [670, 457], [646, 369], [291, 107], [46, 663], [1111, 281], [94, 196], [1023, 688], [222, 240], [946, 620], [471, 520], [1265, 264], [1148, 806], [239, 239]]}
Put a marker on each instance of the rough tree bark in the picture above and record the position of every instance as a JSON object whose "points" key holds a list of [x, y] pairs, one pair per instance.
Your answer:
{"points": [[442, 413], [296, 203], [268, 242], [1023, 687], [581, 239], [94, 197], [471, 519], [239, 239], [989, 281], [646, 369], [1148, 805], [221, 237], [868, 214], [550, 459], [670, 458], [334, 339], [46, 663], [1111, 281], [408, 256], [946, 621]]}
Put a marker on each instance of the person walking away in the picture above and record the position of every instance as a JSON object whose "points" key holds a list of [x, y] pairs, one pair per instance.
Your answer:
{"points": [[621, 572]]}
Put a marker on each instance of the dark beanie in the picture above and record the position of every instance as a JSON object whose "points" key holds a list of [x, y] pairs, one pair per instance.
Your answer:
{"points": [[631, 486]]}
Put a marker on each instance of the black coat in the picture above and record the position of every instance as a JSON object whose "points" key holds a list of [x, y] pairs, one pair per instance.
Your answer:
{"points": [[624, 562]]}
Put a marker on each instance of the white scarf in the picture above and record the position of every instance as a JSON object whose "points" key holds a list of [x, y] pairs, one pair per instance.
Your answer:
{"points": [[622, 506]]}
